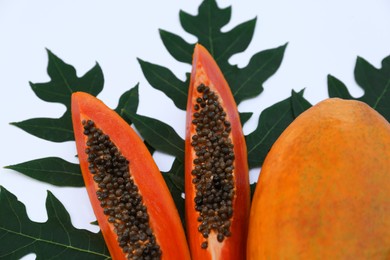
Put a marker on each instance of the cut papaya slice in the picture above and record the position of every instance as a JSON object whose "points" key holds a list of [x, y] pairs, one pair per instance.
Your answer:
{"points": [[217, 194], [130, 199]]}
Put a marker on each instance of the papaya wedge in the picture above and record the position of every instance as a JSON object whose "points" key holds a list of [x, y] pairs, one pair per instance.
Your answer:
{"points": [[130, 199], [217, 194]]}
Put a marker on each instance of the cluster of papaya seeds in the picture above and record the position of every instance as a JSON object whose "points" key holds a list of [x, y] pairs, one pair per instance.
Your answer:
{"points": [[132, 204], [324, 187]]}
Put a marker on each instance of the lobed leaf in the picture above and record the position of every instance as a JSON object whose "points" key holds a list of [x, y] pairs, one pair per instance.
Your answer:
{"points": [[64, 81], [248, 82], [177, 46], [54, 239], [299, 103], [53, 170], [375, 83], [159, 135], [272, 122], [245, 116], [163, 79], [336, 88], [207, 24], [51, 129], [234, 41], [128, 102]]}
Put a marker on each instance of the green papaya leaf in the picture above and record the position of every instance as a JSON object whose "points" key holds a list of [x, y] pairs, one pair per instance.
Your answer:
{"points": [[64, 82], [245, 116], [158, 134], [54, 239], [299, 103], [51, 129], [128, 102], [375, 83], [248, 82], [53, 170], [272, 122], [163, 79], [336, 88], [234, 41], [207, 24], [177, 46], [150, 148], [245, 82]]}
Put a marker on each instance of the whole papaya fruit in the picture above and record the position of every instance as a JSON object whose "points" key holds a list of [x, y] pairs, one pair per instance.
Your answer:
{"points": [[324, 188]]}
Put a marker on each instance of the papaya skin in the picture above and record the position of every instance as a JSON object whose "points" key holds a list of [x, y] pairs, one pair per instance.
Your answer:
{"points": [[324, 188], [163, 215], [205, 70]]}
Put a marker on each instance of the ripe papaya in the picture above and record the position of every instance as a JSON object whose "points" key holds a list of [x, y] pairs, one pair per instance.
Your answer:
{"points": [[217, 195], [130, 199], [324, 188]]}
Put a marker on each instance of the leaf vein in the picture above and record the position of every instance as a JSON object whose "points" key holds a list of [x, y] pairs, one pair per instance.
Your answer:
{"points": [[386, 88], [35, 240], [250, 77], [164, 79], [63, 77]]}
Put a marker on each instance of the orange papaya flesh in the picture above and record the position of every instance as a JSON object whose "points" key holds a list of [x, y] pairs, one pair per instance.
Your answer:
{"points": [[132, 204], [324, 188], [217, 195]]}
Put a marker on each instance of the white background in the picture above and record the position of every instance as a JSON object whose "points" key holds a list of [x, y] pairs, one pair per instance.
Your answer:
{"points": [[324, 37]]}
